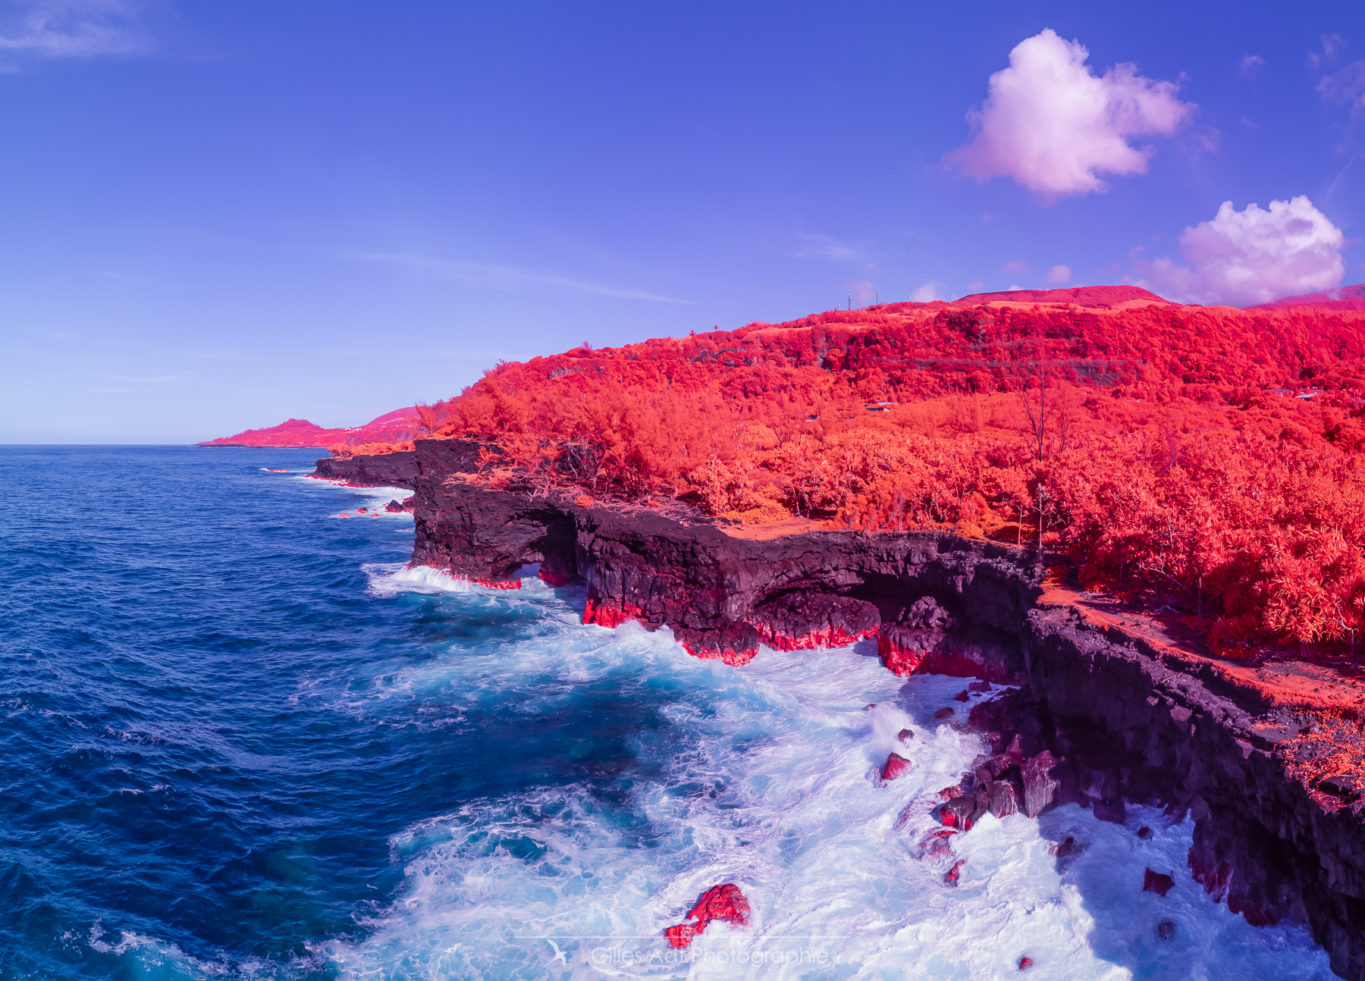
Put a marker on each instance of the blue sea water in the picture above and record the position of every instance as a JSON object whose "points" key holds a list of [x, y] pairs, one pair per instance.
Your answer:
{"points": [[241, 738]]}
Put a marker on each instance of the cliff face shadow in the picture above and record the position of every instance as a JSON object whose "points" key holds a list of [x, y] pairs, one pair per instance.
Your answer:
{"points": [[867, 647], [1156, 937]]}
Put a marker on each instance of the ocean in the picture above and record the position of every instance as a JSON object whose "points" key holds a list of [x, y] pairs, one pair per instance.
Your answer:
{"points": [[242, 739]]}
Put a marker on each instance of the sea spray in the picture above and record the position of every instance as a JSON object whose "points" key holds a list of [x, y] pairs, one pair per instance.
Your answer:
{"points": [[243, 739], [766, 776]]}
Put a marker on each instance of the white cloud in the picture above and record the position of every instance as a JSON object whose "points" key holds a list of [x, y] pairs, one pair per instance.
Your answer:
{"points": [[1331, 47], [817, 246], [72, 29], [1053, 126], [1058, 276], [1252, 65], [1252, 256], [1345, 86], [861, 292], [505, 278], [1015, 266], [927, 293]]}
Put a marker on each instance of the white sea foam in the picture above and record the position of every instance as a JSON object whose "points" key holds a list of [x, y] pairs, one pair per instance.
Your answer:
{"points": [[388, 579], [375, 498], [768, 781], [146, 957]]}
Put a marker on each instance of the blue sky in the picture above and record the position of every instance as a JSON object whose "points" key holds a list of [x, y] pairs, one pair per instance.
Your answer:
{"points": [[218, 216]]}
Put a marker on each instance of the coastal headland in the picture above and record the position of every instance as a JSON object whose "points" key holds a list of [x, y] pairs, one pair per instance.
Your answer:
{"points": [[1109, 709]]}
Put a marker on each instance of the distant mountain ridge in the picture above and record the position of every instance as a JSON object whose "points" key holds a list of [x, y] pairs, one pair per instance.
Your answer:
{"points": [[1341, 298], [392, 427], [401, 425], [1084, 296]]}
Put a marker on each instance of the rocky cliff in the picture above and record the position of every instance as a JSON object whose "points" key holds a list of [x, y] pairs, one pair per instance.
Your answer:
{"points": [[1106, 716], [381, 470]]}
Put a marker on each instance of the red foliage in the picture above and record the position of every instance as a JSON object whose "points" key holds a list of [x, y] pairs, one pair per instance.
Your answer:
{"points": [[1341, 298], [1085, 296], [1210, 453]]}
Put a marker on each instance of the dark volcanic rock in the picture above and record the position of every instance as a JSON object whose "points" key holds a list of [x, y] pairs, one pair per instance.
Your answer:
{"points": [[1157, 882], [384, 470], [1110, 809], [724, 902], [960, 812], [1003, 801], [1067, 848], [1124, 720], [716, 592], [896, 765], [1039, 787]]}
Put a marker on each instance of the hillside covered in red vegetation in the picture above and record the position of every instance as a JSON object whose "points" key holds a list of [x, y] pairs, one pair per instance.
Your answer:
{"points": [[1084, 296], [394, 427], [1342, 298], [1210, 454]]}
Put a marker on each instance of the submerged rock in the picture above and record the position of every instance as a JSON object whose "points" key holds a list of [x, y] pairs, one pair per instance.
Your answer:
{"points": [[1003, 802], [1067, 848], [1039, 787], [896, 765], [723, 902], [1169, 728], [1157, 882]]}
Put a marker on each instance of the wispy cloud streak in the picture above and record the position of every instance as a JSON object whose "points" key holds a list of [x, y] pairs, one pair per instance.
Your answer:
{"points": [[817, 246], [507, 278], [73, 29]]}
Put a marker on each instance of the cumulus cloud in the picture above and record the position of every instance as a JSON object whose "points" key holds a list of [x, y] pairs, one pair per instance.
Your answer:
{"points": [[1252, 256], [1015, 266], [1054, 126], [927, 293], [1058, 276]]}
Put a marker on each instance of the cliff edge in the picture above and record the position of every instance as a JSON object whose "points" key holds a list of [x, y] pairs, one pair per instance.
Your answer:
{"points": [[1266, 767]]}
